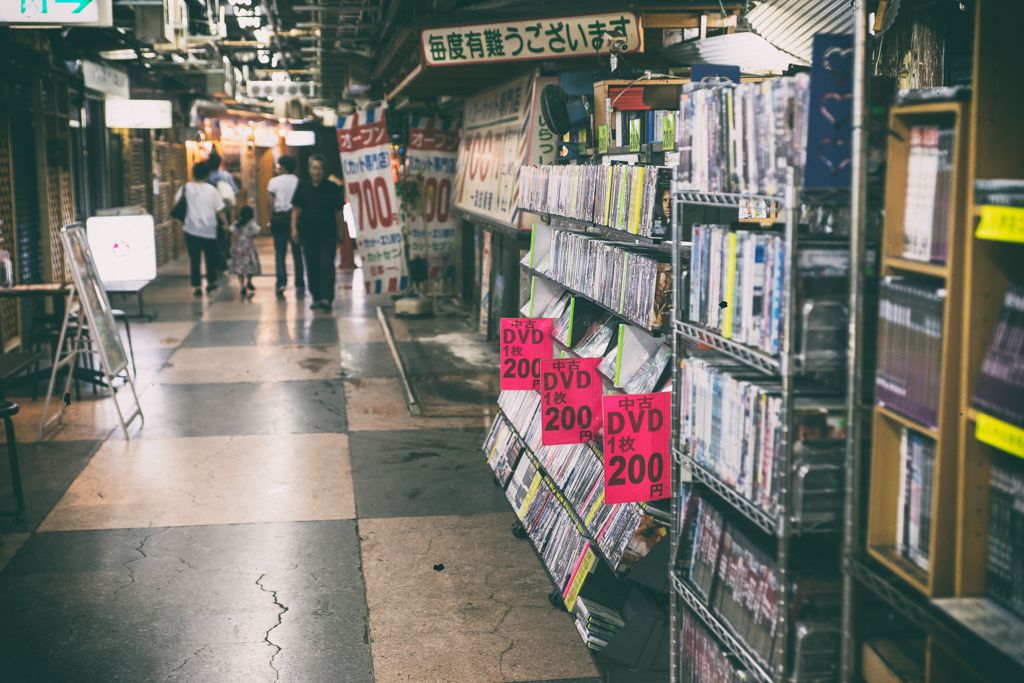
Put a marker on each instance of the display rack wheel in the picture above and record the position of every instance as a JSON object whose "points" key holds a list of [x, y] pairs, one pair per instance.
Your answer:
{"points": [[518, 530], [555, 598]]}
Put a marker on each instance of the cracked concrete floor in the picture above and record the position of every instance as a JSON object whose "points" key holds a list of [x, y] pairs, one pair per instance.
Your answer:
{"points": [[229, 539]]}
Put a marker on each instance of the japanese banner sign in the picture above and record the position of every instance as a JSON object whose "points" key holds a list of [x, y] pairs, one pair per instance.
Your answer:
{"points": [[570, 400], [365, 149], [502, 131], [525, 342], [510, 41], [431, 156], [637, 465]]}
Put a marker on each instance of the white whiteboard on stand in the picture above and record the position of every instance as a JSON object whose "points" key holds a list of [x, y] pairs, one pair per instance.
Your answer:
{"points": [[124, 247]]}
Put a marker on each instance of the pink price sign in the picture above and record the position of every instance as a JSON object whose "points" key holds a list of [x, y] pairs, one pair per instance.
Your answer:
{"points": [[525, 342], [636, 447], [570, 400]]}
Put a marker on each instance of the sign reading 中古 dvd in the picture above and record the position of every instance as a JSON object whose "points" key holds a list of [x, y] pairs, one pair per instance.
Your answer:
{"points": [[365, 148], [636, 447], [570, 400], [525, 342], [501, 132], [512, 41]]}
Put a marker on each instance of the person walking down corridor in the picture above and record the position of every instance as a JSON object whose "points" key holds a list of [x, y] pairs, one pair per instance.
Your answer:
{"points": [[245, 260], [318, 224], [204, 208], [281, 189]]}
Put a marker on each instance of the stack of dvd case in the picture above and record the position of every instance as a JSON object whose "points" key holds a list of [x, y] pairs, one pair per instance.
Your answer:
{"points": [[701, 658], [635, 286], [502, 448], [596, 623], [742, 138], [633, 199]]}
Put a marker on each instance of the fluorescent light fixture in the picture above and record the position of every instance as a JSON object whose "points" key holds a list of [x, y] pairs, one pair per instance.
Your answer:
{"points": [[266, 137], [138, 113], [118, 55], [300, 138]]}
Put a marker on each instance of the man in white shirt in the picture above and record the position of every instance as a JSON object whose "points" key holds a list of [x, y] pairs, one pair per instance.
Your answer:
{"points": [[204, 207], [281, 189]]}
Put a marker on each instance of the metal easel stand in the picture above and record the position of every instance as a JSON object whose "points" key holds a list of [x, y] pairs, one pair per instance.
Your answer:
{"points": [[66, 358]]}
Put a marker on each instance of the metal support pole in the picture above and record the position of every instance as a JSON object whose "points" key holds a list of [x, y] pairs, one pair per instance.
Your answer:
{"points": [[854, 421], [673, 625]]}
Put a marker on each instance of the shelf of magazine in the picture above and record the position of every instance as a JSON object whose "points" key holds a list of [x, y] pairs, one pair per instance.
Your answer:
{"points": [[653, 331], [581, 521], [751, 511], [733, 644], [936, 618]]}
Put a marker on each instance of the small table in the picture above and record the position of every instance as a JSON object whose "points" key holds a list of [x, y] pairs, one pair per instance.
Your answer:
{"points": [[128, 288]]}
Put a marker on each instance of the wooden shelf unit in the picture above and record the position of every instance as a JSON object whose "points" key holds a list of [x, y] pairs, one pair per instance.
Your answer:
{"points": [[885, 466], [997, 138]]}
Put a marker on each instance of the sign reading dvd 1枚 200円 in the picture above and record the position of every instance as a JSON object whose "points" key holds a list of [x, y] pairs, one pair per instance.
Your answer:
{"points": [[637, 466], [525, 342], [571, 391]]}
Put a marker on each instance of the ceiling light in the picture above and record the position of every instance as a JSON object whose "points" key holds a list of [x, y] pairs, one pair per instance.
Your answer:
{"points": [[116, 55]]}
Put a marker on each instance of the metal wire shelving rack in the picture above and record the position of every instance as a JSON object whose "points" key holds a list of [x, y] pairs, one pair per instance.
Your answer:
{"points": [[783, 523]]}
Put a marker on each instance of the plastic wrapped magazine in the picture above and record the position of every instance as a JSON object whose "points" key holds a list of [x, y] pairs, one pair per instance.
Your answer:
{"points": [[595, 340], [646, 378]]}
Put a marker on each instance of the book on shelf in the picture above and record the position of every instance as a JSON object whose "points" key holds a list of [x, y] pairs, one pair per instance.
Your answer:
{"points": [[631, 198], [633, 285], [650, 123], [926, 218], [1004, 577], [914, 504], [999, 192], [999, 388], [742, 138], [736, 289], [502, 449], [736, 578], [702, 659], [909, 362], [732, 422]]}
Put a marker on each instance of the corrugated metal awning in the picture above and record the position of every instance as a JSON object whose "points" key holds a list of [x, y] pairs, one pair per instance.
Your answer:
{"points": [[749, 51], [790, 25]]}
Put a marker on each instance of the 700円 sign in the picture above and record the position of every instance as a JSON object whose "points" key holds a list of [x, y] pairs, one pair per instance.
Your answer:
{"points": [[637, 466], [525, 342]]}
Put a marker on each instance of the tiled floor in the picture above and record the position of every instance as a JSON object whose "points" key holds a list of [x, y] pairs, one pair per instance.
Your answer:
{"points": [[279, 516]]}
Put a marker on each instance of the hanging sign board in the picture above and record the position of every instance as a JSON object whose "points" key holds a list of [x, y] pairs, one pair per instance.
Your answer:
{"points": [[570, 400], [829, 116], [637, 463], [138, 113], [107, 79], [56, 12], [525, 342], [365, 148], [511, 41], [124, 247], [431, 156], [502, 131]]}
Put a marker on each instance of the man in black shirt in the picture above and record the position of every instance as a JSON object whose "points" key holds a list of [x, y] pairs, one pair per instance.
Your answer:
{"points": [[318, 224]]}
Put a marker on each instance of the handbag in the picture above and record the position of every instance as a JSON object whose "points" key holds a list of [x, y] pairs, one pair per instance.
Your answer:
{"points": [[180, 209]]}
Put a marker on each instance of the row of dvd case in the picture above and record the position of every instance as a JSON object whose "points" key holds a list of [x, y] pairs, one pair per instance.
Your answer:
{"points": [[625, 533], [742, 138], [634, 199], [634, 286]]}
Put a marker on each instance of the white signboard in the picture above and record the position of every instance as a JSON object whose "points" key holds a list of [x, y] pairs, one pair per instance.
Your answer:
{"points": [[431, 155], [502, 131], [138, 113], [58, 12], [510, 41], [106, 79], [365, 148], [124, 247]]}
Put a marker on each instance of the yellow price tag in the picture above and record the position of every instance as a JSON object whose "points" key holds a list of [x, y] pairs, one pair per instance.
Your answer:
{"points": [[1001, 223], [1002, 435], [572, 591], [594, 509], [531, 493]]}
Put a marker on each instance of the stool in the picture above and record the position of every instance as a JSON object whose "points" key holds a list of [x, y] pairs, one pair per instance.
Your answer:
{"points": [[123, 317], [7, 411]]}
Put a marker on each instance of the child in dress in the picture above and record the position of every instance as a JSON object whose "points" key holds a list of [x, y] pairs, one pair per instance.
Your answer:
{"points": [[245, 261]]}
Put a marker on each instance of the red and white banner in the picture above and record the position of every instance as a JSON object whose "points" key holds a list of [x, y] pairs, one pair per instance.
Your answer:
{"points": [[431, 157], [365, 149]]}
